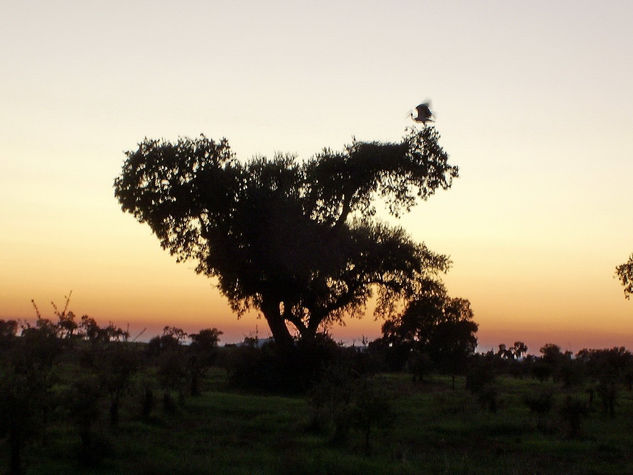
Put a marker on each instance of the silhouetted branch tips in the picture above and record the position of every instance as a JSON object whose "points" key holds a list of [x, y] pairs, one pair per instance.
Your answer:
{"points": [[624, 272], [139, 334]]}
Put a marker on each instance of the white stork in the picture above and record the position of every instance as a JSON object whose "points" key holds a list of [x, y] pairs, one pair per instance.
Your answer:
{"points": [[424, 113]]}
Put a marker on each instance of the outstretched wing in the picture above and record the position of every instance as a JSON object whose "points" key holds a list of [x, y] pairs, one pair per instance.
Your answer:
{"points": [[424, 112]]}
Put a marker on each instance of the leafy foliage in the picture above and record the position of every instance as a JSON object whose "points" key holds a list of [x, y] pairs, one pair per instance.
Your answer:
{"points": [[343, 400], [624, 272], [26, 379], [201, 354], [266, 366], [573, 412], [435, 325]]}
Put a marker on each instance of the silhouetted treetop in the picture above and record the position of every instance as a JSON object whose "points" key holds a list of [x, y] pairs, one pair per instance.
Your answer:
{"points": [[296, 239], [205, 339], [8, 331], [435, 323]]}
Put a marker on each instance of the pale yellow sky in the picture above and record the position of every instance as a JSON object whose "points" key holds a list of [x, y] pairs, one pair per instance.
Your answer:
{"points": [[533, 100]]}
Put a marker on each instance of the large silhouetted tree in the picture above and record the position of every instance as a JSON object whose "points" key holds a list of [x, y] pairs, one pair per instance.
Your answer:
{"points": [[297, 240], [624, 272]]}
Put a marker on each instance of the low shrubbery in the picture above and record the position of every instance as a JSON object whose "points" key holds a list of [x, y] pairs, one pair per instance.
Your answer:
{"points": [[95, 386]]}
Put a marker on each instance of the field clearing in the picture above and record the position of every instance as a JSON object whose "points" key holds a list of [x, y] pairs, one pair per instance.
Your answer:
{"points": [[434, 429]]}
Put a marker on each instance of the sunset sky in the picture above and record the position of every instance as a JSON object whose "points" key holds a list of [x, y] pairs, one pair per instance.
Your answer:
{"points": [[534, 101]]}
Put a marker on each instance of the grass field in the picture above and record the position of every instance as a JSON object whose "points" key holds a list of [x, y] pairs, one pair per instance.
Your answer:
{"points": [[434, 429]]}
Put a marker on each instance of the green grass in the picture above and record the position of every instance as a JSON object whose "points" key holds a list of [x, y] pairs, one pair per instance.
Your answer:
{"points": [[435, 430]]}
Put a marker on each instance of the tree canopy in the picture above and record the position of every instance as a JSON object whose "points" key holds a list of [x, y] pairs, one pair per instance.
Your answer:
{"points": [[436, 325], [298, 240]]}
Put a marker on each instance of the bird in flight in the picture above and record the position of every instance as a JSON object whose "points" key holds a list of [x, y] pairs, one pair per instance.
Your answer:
{"points": [[424, 113]]}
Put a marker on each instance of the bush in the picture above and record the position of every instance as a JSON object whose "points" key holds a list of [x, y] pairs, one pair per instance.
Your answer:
{"points": [[541, 406], [419, 365], [479, 375], [344, 400], [331, 400], [570, 373], [371, 410], [607, 392], [83, 405], [268, 368], [572, 412], [480, 382], [541, 370]]}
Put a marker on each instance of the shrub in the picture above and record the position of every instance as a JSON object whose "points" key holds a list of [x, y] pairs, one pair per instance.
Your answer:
{"points": [[572, 413], [344, 400], [480, 382], [541, 406], [268, 368], [419, 365], [371, 410], [607, 392], [82, 403], [331, 399]]}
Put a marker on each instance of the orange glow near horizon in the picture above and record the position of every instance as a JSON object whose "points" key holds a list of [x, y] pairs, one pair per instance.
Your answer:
{"points": [[505, 313], [534, 111]]}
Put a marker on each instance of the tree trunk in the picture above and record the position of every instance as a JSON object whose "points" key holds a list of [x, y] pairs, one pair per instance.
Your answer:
{"points": [[270, 309]]}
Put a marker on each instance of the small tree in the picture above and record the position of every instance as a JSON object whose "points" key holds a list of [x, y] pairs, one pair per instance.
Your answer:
{"points": [[371, 410], [551, 362], [201, 354], [172, 366], [25, 382], [109, 358], [331, 400], [119, 364], [66, 325], [480, 381], [439, 326], [519, 350], [8, 332], [608, 368], [573, 412], [66, 319], [82, 402], [419, 365], [541, 405]]}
